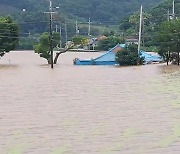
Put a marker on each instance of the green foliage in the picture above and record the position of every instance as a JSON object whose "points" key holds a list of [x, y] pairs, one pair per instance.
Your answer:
{"points": [[152, 20], [130, 25], [103, 12], [110, 42], [43, 47], [27, 43], [125, 25], [108, 33], [169, 37], [9, 34], [129, 56], [80, 40], [159, 13]]}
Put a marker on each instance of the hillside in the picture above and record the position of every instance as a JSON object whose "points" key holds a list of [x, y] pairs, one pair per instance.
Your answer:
{"points": [[153, 19], [159, 13], [102, 11]]}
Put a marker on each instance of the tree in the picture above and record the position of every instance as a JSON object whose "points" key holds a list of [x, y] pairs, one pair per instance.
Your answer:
{"points": [[125, 24], [108, 33], [110, 42], [9, 35], [169, 40], [129, 56], [76, 40], [27, 43], [43, 47]]}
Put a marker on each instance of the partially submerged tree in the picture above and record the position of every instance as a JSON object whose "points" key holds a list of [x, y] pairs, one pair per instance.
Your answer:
{"points": [[76, 40], [43, 48], [169, 40], [9, 35], [129, 56]]}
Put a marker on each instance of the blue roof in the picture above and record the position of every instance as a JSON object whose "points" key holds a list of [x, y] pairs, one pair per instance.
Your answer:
{"points": [[110, 55], [149, 57]]}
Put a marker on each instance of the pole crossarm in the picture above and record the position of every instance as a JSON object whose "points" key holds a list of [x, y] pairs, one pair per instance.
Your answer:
{"points": [[50, 12]]}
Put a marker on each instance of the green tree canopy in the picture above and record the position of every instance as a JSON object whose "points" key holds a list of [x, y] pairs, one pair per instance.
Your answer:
{"points": [[110, 42], [169, 36], [43, 47], [9, 35], [76, 40], [80, 40], [169, 40], [129, 56]]}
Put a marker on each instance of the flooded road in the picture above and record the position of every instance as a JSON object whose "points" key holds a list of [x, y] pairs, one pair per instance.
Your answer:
{"points": [[87, 109]]}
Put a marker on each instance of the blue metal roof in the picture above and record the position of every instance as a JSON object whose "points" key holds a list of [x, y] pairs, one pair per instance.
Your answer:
{"points": [[149, 57], [110, 55]]}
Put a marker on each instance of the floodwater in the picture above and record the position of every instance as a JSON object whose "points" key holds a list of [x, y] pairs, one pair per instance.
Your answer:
{"points": [[87, 109]]}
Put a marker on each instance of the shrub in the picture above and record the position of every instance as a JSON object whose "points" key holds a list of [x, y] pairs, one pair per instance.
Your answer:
{"points": [[129, 56]]}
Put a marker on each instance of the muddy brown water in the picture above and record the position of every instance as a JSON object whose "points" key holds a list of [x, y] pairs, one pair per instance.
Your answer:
{"points": [[87, 109]]}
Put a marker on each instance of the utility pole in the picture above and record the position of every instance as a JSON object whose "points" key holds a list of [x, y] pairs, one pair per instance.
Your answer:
{"points": [[56, 28], [65, 28], [168, 15], [173, 10], [178, 59], [143, 31], [29, 33], [89, 27], [50, 32], [77, 31], [168, 52], [89, 31], [140, 30], [60, 34]]}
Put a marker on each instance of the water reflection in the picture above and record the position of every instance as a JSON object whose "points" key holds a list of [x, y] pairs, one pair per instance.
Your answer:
{"points": [[82, 110]]}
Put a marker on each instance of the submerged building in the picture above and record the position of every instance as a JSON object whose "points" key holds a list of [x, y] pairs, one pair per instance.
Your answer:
{"points": [[109, 58]]}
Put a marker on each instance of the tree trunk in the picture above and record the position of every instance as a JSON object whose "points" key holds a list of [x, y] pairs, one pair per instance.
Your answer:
{"points": [[178, 58], [167, 58], [58, 54], [178, 52], [56, 57], [49, 60]]}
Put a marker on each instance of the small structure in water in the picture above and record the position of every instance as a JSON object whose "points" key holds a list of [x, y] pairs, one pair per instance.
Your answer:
{"points": [[109, 57]]}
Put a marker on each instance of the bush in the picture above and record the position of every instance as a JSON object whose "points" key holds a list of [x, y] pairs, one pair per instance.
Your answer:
{"points": [[129, 56]]}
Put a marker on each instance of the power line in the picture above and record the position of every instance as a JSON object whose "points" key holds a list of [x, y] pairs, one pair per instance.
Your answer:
{"points": [[82, 33]]}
